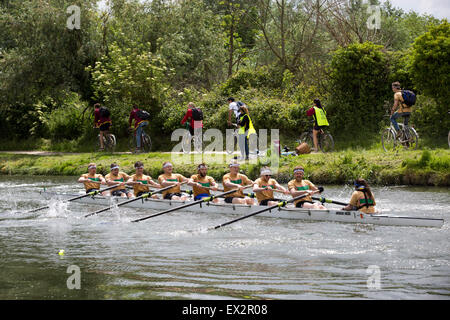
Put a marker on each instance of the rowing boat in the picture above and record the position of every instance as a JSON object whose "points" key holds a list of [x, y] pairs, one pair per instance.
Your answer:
{"points": [[289, 212]]}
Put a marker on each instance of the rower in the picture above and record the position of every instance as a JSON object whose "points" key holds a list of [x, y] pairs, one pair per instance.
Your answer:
{"points": [[299, 186], [265, 186], [141, 182], [234, 180], [116, 177], [362, 198], [202, 183], [92, 180], [169, 178]]}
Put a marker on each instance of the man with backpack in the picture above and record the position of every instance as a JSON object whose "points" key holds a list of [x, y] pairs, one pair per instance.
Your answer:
{"points": [[403, 101], [195, 117], [140, 118], [102, 121]]}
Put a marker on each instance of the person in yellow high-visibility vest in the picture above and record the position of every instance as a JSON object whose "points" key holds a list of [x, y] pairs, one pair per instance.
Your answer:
{"points": [[246, 129], [320, 120]]}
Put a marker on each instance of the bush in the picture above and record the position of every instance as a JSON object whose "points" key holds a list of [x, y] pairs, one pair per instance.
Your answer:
{"points": [[67, 121], [359, 85]]}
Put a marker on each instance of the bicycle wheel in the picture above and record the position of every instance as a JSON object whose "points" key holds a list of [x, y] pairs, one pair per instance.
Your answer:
{"points": [[109, 142], [388, 140], [132, 143], [186, 142], [326, 142], [307, 137], [199, 144], [146, 142], [413, 139]]}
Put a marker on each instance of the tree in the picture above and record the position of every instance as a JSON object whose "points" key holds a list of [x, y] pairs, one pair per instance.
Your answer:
{"points": [[359, 85], [430, 67], [41, 58], [289, 29], [430, 70], [130, 76]]}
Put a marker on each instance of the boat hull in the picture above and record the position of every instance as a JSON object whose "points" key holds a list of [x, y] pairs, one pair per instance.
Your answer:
{"points": [[241, 210]]}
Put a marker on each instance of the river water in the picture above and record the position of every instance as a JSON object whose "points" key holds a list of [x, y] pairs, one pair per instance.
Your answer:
{"points": [[174, 257]]}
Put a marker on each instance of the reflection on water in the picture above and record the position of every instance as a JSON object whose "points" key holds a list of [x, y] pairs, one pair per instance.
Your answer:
{"points": [[174, 257]]}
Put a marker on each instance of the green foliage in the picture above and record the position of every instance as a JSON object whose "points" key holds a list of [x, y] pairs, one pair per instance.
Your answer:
{"points": [[359, 85], [430, 119], [429, 160], [67, 122], [246, 78], [431, 63]]}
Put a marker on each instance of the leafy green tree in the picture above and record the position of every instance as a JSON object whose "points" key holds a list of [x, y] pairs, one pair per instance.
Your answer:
{"points": [[42, 59], [129, 76], [430, 70], [430, 65], [359, 85]]}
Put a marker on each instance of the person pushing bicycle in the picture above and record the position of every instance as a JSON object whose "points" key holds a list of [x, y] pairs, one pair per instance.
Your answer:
{"points": [[138, 116], [195, 117], [320, 121], [102, 121]]}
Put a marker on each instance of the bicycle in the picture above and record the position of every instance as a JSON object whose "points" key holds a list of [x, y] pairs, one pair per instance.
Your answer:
{"points": [[109, 142], [146, 141], [187, 140], [390, 140], [325, 139]]}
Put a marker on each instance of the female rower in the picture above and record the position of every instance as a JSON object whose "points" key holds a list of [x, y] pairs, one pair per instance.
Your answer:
{"points": [[141, 182], [299, 186], [92, 180], [116, 177], [264, 188], [168, 178], [362, 198]]}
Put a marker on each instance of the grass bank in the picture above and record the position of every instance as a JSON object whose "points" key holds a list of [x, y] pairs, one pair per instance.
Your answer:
{"points": [[422, 167]]}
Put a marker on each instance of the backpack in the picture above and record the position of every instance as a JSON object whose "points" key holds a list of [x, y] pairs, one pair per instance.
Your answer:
{"points": [[142, 114], [409, 97], [197, 114], [104, 112], [240, 103]]}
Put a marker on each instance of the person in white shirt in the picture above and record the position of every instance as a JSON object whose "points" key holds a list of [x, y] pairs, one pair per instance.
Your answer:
{"points": [[233, 108]]}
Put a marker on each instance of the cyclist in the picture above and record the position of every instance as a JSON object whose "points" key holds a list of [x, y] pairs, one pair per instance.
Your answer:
{"points": [[403, 109], [320, 121], [195, 117], [139, 125], [102, 121]]}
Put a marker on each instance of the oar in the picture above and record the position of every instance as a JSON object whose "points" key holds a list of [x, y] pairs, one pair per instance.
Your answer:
{"points": [[250, 195], [143, 196], [92, 193], [278, 205], [323, 200], [207, 199]]}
